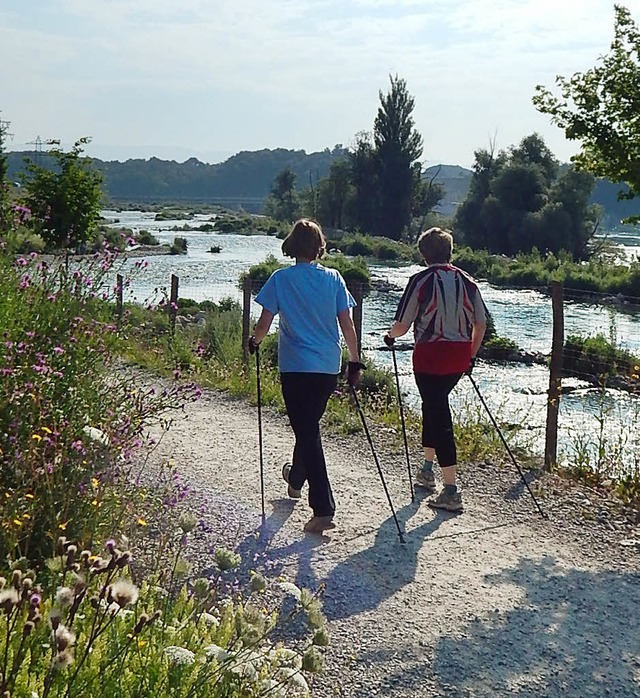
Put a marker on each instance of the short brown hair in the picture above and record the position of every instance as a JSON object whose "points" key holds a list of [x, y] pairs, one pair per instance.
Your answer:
{"points": [[306, 241], [436, 246]]}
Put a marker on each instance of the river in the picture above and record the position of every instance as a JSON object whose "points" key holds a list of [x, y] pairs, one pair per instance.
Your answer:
{"points": [[516, 393]]}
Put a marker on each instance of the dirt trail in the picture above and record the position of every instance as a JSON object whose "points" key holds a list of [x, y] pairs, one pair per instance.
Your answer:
{"points": [[495, 602]]}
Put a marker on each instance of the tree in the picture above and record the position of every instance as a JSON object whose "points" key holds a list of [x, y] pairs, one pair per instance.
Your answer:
{"points": [[600, 109], [398, 147], [282, 203], [364, 169], [519, 200], [65, 201]]}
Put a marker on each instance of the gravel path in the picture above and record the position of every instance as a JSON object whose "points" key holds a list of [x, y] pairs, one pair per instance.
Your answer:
{"points": [[496, 602]]}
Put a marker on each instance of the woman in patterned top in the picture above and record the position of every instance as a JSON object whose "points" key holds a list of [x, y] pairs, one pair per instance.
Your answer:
{"points": [[447, 312]]}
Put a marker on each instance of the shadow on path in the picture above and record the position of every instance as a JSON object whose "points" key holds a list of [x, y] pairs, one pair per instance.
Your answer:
{"points": [[364, 580], [574, 633]]}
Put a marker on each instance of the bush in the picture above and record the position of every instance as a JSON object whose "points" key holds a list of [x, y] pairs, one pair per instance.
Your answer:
{"points": [[144, 237], [179, 246], [68, 420]]}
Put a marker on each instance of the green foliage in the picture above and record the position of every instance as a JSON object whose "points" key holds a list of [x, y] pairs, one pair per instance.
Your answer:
{"points": [[262, 271], [352, 270], [244, 224], [536, 270], [64, 200], [5, 195], [500, 348], [94, 632], [282, 203], [599, 108], [398, 150], [144, 237], [369, 246], [179, 246], [519, 200], [69, 421], [598, 356]]}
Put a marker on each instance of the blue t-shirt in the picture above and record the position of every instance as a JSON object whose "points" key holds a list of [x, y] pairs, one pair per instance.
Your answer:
{"points": [[308, 298]]}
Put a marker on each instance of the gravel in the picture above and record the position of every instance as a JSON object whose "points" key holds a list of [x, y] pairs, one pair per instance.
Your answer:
{"points": [[495, 602]]}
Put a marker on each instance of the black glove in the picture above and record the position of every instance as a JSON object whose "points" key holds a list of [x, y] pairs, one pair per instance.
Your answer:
{"points": [[252, 345], [354, 369], [389, 341], [472, 363]]}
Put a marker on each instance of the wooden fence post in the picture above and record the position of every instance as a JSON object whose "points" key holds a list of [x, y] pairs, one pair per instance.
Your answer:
{"points": [[246, 320], [357, 291], [119, 287], [555, 376], [173, 303]]}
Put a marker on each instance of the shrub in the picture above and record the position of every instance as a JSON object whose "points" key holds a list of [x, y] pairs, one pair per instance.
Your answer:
{"points": [[179, 246], [144, 237]]}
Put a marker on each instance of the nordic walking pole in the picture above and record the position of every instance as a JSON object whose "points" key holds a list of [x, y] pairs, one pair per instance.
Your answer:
{"points": [[506, 445], [264, 518], [404, 426], [377, 462]]}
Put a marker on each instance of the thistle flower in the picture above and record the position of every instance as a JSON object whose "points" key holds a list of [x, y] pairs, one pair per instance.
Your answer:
{"points": [[179, 655], [258, 582], [201, 587], [64, 638], [9, 598], [64, 596], [123, 592], [62, 660]]}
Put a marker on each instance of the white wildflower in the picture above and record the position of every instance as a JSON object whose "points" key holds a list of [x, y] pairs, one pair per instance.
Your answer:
{"points": [[179, 655], [96, 435], [292, 589], [210, 619], [293, 678], [216, 652]]}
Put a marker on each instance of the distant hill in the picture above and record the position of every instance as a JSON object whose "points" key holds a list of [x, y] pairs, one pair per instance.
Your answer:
{"points": [[246, 178]]}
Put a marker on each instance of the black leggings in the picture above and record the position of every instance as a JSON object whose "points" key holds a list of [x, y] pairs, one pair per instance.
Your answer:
{"points": [[437, 427], [305, 397]]}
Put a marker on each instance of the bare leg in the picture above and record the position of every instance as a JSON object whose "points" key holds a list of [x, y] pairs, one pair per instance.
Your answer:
{"points": [[449, 474]]}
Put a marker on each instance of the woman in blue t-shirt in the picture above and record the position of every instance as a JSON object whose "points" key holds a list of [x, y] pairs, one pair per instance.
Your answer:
{"points": [[312, 301]]}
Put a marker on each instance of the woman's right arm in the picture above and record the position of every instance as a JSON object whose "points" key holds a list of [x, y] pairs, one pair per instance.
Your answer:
{"points": [[349, 334]]}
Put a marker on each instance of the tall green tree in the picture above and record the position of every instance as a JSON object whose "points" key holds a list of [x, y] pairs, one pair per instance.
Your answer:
{"points": [[520, 199], [364, 164], [282, 204], [398, 147], [600, 108], [65, 200]]}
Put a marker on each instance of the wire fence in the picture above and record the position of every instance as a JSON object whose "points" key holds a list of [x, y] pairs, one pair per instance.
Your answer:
{"points": [[610, 373]]}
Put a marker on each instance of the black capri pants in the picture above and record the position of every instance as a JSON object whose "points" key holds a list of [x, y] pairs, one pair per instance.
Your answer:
{"points": [[437, 426]]}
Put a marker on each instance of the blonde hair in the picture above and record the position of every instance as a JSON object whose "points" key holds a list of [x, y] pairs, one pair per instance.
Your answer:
{"points": [[436, 246], [306, 241]]}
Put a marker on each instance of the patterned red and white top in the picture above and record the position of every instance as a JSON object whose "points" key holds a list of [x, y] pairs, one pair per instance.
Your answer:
{"points": [[443, 303]]}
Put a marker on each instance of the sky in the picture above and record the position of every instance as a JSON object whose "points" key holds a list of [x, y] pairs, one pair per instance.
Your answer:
{"points": [[208, 78]]}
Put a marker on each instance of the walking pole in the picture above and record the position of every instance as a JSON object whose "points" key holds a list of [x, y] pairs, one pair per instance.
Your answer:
{"points": [[264, 518], [377, 462], [506, 445], [404, 426]]}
